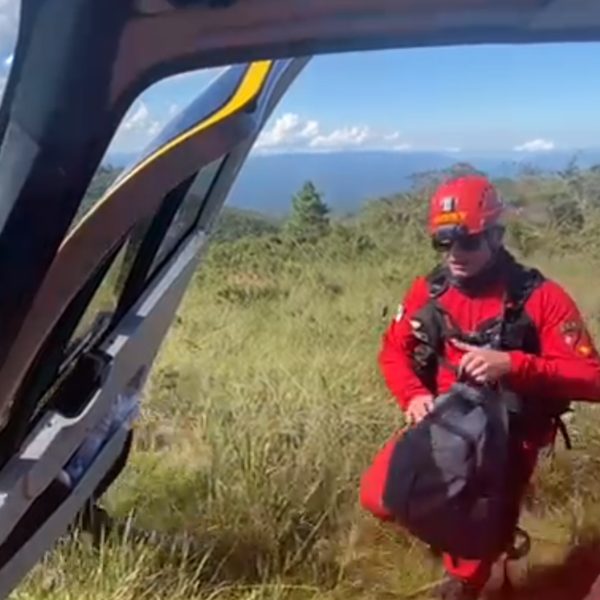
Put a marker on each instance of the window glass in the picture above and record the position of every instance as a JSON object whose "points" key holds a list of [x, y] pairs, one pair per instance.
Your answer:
{"points": [[104, 301], [186, 215]]}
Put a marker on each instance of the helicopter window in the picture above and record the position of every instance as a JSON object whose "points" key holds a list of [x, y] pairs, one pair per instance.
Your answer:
{"points": [[187, 214], [176, 217], [104, 300], [83, 322]]}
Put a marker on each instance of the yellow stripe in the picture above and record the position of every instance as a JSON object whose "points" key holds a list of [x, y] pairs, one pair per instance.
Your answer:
{"points": [[247, 90]]}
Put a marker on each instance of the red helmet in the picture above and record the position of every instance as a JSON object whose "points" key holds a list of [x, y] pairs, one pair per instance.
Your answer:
{"points": [[465, 205]]}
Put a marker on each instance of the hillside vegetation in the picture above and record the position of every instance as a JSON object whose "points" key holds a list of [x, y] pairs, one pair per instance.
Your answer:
{"points": [[266, 405]]}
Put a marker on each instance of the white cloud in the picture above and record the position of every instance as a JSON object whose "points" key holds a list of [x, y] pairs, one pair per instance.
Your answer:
{"points": [[310, 130], [287, 130], [343, 138], [142, 120], [292, 133], [537, 145], [140, 114], [9, 21], [139, 126]]}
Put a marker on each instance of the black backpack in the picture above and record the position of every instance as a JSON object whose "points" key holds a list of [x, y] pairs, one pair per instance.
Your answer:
{"points": [[448, 475]]}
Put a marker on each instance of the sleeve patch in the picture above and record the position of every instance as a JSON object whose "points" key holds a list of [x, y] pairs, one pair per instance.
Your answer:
{"points": [[577, 337]]}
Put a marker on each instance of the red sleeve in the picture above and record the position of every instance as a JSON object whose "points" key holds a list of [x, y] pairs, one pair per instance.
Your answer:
{"points": [[397, 347], [568, 367]]}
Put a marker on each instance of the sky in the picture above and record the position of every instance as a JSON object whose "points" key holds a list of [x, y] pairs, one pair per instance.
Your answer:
{"points": [[460, 99]]}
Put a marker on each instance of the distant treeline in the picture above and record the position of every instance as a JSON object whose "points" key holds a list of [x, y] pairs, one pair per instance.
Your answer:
{"points": [[562, 200]]}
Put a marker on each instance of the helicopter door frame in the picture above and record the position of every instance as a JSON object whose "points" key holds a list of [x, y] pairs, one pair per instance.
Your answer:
{"points": [[137, 196], [122, 355]]}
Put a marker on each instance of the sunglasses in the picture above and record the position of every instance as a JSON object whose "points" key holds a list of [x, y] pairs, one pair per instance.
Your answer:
{"points": [[466, 243]]}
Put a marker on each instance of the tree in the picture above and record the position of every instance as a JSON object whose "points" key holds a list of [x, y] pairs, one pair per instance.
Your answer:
{"points": [[308, 218], [461, 169], [102, 180], [234, 223], [425, 182]]}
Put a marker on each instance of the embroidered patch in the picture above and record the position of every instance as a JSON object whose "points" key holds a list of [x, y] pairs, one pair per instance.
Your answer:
{"points": [[571, 331], [572, 325], [576, 336]]}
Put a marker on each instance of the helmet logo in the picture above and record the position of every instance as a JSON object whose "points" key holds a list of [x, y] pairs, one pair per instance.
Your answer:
{"points": [[448, 204]]}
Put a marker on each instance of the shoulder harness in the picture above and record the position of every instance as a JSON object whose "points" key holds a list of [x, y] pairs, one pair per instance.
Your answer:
{"points": [[512, 330]]}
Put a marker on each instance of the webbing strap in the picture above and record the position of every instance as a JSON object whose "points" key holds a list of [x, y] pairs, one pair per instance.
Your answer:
{"points": [[560, 424]]}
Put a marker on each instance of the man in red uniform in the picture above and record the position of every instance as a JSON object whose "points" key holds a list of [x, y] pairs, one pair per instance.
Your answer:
{"points": [[544, 354]]}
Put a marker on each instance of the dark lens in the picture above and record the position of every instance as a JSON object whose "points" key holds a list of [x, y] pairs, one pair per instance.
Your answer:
{"points": [[441, 245], [469, 243]]}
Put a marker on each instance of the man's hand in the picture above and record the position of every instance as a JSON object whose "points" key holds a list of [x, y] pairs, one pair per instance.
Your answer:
{"points": [[483, 365], [419, 407]]}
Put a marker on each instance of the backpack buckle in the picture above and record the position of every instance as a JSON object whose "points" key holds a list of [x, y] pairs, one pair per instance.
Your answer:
{"points": [[519, 548]]}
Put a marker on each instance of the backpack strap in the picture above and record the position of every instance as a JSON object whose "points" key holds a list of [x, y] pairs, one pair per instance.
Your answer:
{"points": [[522, 281], [562, 428], [434, 326], [437, 325], [438, 281]]}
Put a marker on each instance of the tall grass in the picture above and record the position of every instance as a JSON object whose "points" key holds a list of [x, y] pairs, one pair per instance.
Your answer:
{"points": [[262, 412]]}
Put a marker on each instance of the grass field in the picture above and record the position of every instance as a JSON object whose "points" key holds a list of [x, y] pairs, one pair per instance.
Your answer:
{"points": [[264, 408]]}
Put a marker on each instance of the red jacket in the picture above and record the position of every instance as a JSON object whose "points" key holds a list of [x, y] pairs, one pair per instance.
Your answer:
{"points": [[568, 367]]}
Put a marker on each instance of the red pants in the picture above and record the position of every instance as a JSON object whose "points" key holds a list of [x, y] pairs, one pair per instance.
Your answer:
{"points": [[476, 572]]}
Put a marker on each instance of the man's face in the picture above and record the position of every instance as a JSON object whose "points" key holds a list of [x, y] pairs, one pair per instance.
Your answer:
{"points": [[466, 256]]}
